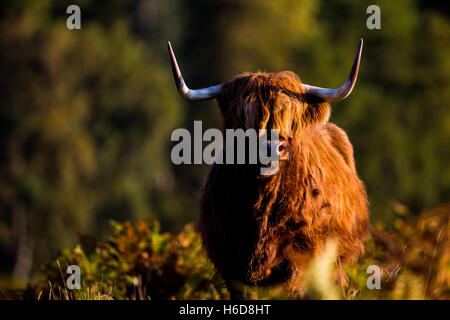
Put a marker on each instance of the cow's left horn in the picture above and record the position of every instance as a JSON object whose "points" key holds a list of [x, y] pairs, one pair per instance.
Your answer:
{"points": [[342, 92], [183, 89]]}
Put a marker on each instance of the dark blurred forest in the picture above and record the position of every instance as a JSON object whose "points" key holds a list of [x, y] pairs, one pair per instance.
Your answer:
{"points": [[86, 115]]}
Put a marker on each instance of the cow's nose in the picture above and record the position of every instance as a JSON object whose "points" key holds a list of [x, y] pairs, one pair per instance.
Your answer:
{"points": [[275, 151], [282, 150]]}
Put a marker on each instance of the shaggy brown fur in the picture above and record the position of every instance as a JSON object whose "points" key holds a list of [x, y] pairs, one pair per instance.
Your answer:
{"points": [[263, 230]]}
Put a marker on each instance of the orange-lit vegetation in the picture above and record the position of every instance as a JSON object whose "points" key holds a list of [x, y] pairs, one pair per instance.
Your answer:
{"points": [[141, 262]]}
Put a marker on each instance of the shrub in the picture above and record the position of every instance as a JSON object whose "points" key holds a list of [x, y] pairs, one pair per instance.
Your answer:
{"points": [[141, 262]]}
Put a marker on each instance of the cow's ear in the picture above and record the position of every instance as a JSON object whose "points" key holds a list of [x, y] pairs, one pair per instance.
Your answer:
{"points": [[222, 104], [316, 113]]}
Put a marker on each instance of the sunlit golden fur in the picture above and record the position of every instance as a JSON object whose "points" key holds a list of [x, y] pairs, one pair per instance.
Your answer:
{"points": [[263, 230]]}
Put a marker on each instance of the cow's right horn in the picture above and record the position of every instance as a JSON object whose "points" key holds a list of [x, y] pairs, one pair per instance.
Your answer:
{"points": [[183, 89]]}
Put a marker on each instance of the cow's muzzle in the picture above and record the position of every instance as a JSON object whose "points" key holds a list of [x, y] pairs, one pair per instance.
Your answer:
{"points": [[271, 158]]}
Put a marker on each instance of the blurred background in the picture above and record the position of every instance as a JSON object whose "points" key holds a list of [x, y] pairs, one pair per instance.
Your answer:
{"points": [[86, 115]]}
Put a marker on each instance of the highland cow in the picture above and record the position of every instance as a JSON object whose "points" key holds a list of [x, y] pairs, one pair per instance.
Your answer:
{"points": [[263, 230]]}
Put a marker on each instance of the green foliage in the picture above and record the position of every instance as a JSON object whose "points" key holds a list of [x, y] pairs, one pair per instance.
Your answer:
{"points": [[139, 263], [85, 118], [414, 258]]}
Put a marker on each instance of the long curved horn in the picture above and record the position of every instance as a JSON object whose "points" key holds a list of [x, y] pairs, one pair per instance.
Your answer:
{"points": [[183, 89], [342, 92]]}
